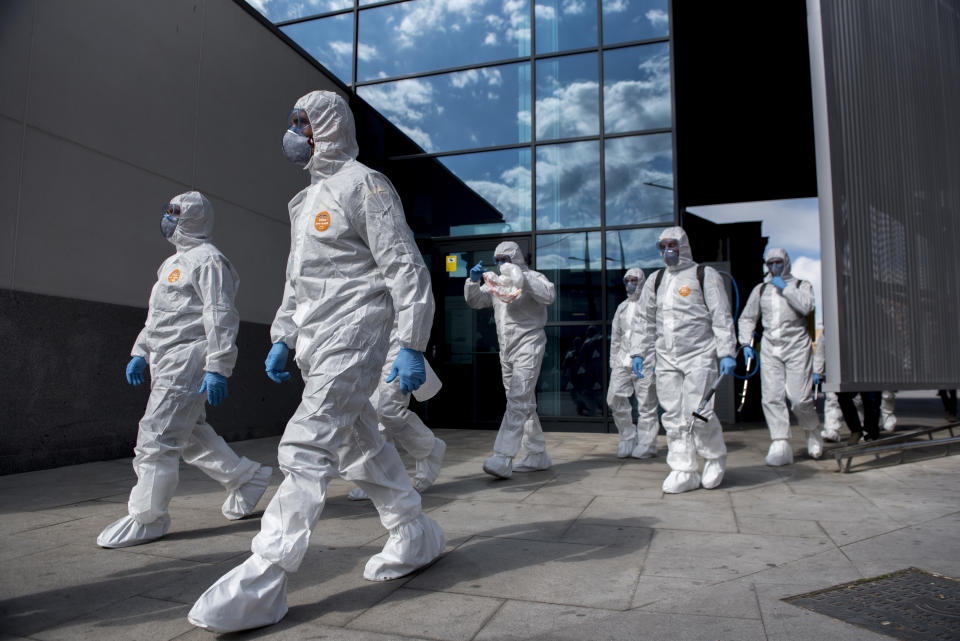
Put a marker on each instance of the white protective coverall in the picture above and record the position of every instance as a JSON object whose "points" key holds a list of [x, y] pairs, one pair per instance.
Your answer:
{"points": [[833, 417], [191, 328], [689, 330], [401, 426], [640, 440], [786, 359], [353, 262], [522, 342]]}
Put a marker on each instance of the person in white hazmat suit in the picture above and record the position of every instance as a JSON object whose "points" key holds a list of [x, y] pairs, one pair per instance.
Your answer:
{"points": [[353, 265], [520, 312], [688, 325], [403, 427], [189, 341], [640, 440], [782, 302]]}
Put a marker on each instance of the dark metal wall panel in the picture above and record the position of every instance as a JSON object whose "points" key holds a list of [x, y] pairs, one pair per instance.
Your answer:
{"points": [[891, 86]]}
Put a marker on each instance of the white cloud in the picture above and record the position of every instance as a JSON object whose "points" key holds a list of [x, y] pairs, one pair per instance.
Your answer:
{"points": [[657, 17], [573, 7], [341, 48], [402, 102], [419, 136], [490, 39], [615, 6], [570, 111], [366, 52], [493, 77], [545, 12], [508, 194], [464, 78]]}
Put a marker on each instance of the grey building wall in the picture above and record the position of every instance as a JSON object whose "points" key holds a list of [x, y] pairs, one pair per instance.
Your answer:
{"points": [[886, 94], [107, 109]]}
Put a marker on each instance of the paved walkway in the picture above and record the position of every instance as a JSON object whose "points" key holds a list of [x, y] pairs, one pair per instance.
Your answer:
{"points": [[588, 550]]}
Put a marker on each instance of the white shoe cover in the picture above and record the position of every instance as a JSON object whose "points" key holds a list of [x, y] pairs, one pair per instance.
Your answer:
{"points": [[626, 447], [780, 453], [243, 501], [356, 494], [814, 444], [127, 531], [410, 547], [890, 424], [831, 436], [428, 469], [251, 595], [645, 448], [678, 482], [713, 471], [534, 462], [499, 465]]}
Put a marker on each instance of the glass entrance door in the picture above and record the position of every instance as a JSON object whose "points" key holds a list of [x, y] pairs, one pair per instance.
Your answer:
{"points": [[465, 353]]}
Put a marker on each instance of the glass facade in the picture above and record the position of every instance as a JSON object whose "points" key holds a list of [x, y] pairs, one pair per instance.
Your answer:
{"points": [[549, 123]]}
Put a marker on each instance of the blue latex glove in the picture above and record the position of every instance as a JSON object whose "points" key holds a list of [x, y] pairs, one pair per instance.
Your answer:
{"points": [[135, 370], [476, 272], [637, 366], [215, 385], [727, 365], [409, 368], [749, 352], [778, 282], [817, 379], [277, 362]]}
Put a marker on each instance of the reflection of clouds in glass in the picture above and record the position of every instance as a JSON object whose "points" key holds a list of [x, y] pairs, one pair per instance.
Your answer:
{"points": [[636, 94], [639, 179], [571, 252], [404, 103], [574, 7], [568, 185], [509, 192], [628, 20], [278, 10], [658, 17], [627, 248], [615, 6], [571, 111], [425, 16]]}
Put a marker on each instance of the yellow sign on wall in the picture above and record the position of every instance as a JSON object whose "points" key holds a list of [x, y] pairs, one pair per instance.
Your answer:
{"points": [[451, 263]]}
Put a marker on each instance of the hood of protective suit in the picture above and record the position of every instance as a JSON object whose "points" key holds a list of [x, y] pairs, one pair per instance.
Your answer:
{"points": [[334, 133], [686, 255], [636, 271], [511, 249], [777, 252], [196, 220]]}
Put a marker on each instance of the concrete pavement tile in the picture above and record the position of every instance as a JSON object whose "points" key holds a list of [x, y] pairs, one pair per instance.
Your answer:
{"points": [[187, 587], [844, 531], [133, 618], [635, 538], [913, 505], [522, 620], [926, 546], [483, 487], [297, 626], [515, 520], [25, 521], [786, 622], [558, 498], [779, 527], [718, 556], [42, 591], [42, 496], [560, 573], [743, 477], [651, 589], [601, 484], [827, 568], [776, 507], [670, 512], [433, 615], [720, 600]]}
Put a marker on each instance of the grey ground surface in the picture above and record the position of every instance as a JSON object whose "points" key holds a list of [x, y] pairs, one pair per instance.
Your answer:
{"points": [[590, 549]]}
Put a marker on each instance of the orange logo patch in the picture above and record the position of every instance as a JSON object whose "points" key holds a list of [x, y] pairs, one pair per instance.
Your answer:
{"points": [[174, 276], [322, 221], [684, 291]]}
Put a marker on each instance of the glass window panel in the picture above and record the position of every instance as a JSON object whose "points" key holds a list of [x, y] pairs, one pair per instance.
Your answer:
{"points": [[639, 179], [567, 97], [565, 24], [329, 41], [424, 35], [628, 248], [461, 110], [568, 185], [280, 10], [636, 88], [628, 20], [501, 179], [571, 378], [572, 263]]}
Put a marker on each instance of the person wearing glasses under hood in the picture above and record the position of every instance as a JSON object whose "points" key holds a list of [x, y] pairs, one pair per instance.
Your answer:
{"points": [[782, 303], [687, 324], [640, 440], [353, 265], [189, 342], [519, 297]]}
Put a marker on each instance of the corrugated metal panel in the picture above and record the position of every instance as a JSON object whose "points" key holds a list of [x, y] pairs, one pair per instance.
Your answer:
{"points": [[890, 96]]}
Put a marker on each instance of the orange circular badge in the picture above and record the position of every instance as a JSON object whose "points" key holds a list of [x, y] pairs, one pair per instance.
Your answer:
{"points": [[322, 221], [174, 276], [684, 291]]}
